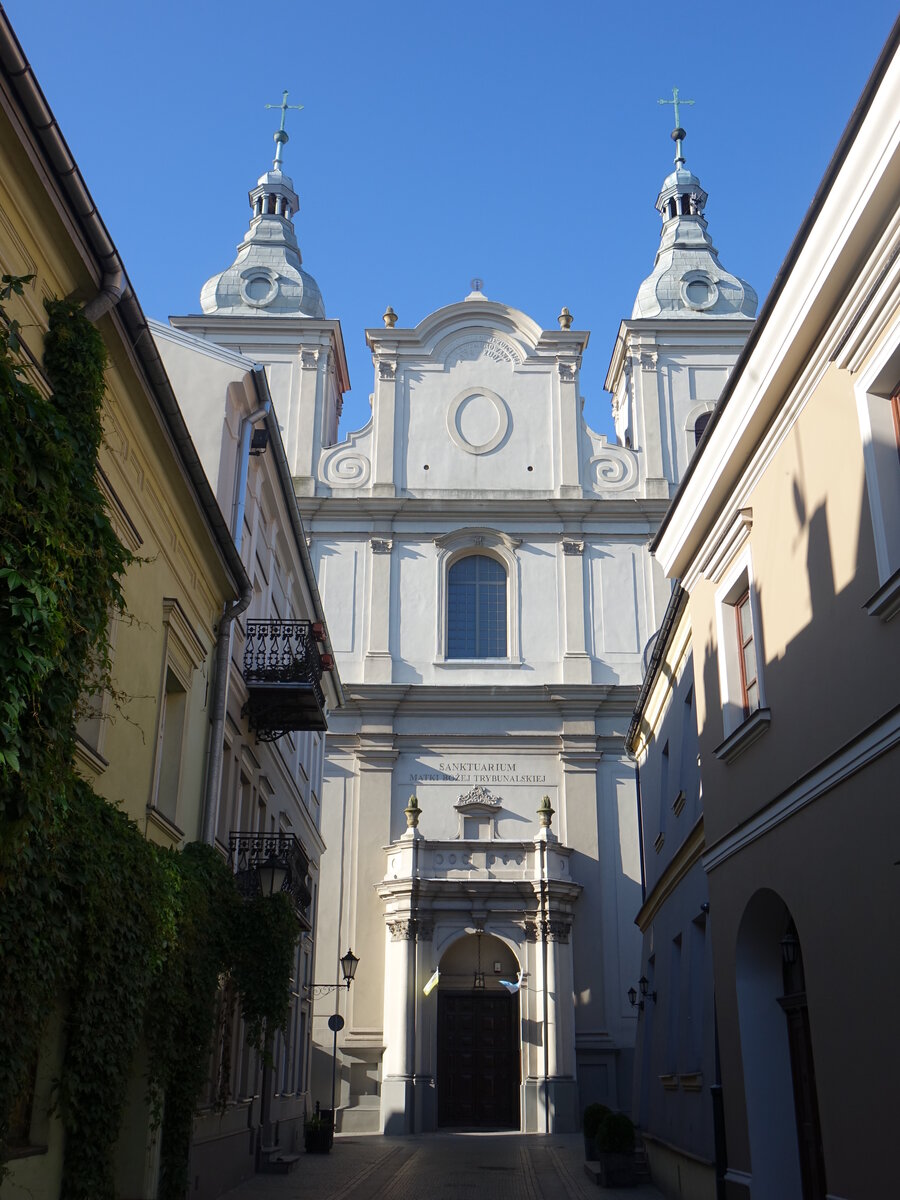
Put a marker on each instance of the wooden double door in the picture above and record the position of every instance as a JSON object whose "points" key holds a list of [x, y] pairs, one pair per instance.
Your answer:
{"points": [[478, 1060]]}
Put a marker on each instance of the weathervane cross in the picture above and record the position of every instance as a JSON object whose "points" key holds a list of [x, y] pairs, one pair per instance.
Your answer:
{"points": [[281, 136], [676, 100]]}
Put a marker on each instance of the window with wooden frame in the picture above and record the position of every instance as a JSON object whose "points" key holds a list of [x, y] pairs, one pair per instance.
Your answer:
{"points": [[747, 664], [878, 407], [740, 661]]}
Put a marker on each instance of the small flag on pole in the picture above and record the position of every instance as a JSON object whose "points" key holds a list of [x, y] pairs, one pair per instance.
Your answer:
{"points": [[512, 987], [432, 983]]}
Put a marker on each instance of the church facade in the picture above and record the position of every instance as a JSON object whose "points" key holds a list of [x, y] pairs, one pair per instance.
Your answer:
{"points": [[482, 555]]}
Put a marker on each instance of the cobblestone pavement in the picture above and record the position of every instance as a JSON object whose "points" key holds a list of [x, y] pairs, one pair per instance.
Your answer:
{"points": [[441, 1167]]}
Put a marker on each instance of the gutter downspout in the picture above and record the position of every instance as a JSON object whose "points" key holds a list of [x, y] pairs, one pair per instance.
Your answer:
{"points": [[112, 289], [223, 640]]}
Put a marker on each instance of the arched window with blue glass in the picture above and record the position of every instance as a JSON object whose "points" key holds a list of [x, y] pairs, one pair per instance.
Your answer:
{"points": [[476, 608]]}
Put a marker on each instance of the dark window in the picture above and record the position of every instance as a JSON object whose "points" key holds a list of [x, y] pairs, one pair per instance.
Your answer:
{"points": [[699, 426], [476, 608]]}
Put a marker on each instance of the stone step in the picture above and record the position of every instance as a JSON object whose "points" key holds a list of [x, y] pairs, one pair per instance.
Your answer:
{"points": [[361, 1117], [274, 1162]]}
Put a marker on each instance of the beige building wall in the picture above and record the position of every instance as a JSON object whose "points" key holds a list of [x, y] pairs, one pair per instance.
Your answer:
{"points": [[812, 580]]}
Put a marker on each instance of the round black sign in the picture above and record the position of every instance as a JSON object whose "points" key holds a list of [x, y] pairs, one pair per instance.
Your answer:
{"points": [[336, 1023]]}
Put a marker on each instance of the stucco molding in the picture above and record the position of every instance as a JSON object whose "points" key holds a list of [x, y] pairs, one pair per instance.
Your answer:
{"points": [[689, 853]]}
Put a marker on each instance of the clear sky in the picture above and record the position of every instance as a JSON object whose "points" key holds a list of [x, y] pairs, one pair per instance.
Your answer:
{"points": [[520, 142]]}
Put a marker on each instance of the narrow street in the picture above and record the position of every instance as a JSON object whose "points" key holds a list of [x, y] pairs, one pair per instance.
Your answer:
{"points": [[444, 1167]]}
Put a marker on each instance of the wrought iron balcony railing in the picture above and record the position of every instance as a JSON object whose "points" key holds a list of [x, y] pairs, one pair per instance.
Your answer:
{"points": [[283, 672], [251, 855]]}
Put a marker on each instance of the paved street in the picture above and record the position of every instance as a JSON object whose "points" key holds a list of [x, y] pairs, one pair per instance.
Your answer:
{"points": [[441, 1167]]}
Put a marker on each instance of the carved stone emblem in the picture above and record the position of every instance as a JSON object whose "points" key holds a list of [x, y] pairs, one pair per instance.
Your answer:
{"points": [[478, 798]]}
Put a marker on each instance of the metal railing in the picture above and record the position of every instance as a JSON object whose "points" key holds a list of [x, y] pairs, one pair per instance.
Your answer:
{"points": [[248, 851]]}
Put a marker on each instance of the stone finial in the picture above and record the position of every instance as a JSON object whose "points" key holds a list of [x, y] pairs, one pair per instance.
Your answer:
{"points": [[389, 318], [412, 811], [545, 812], [565, 319]]}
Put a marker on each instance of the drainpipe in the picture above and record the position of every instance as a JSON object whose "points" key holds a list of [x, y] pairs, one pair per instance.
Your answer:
{"points": [[223, 639], [111, 291], [640, 818]]}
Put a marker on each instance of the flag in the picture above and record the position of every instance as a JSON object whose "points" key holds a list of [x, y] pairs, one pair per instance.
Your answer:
{"points": [[512, 987], [432, 983]]}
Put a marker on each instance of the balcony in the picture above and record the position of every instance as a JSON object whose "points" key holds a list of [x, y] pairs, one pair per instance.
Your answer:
{"points": [[267, 862], [283, 671]]}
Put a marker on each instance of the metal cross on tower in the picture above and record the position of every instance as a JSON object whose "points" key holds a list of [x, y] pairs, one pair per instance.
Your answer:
{"points": [[281, 136], [678, 134]]}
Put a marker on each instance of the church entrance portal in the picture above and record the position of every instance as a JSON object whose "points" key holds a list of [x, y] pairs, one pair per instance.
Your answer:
{"points": [[478, 1060], [478, 1039]]}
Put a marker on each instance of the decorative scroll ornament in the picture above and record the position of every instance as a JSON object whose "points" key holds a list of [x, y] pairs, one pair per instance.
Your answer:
{"points": [[348, 468], [347, 464], [403, 930], [479, 799], [614, 469]]}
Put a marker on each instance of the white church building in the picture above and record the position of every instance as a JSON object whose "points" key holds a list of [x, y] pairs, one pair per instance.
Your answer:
{"points": [[482, 556]]}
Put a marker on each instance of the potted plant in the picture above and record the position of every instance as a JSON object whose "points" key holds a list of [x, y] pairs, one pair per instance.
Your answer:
{"points": [[614, 1142], [317, 1133], [594, 1114]]}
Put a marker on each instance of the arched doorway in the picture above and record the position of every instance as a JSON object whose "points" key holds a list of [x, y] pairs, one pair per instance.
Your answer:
{"points": [[786, 1154], [478, 1036]]}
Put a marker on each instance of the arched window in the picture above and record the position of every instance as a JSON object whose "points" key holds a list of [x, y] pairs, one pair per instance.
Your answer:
{"points": [[699, 425], [476, 608]]}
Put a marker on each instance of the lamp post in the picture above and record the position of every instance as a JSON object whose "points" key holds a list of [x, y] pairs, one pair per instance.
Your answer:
{"points": [[349, 962]]}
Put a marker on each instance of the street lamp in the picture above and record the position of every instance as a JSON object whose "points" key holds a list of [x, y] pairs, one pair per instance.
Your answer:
{"points": [[271, 873], [349, 962]]}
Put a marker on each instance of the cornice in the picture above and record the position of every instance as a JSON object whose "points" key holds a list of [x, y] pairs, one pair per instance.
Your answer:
{"points": [[688, 854], [538, 507]]}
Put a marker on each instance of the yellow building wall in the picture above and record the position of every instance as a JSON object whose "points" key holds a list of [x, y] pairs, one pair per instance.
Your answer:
{"points": [[174, 597]]}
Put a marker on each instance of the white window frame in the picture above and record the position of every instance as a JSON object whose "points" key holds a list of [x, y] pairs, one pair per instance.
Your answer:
{"points": [[690, 446], [493, 544], [881, 460], [183, 655], [740, 728]]}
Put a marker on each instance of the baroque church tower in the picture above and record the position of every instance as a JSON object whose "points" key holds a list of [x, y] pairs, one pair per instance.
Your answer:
{"points": [[483, 559]]}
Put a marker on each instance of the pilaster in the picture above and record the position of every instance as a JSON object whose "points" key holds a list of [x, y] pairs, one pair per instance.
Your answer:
{"points": [[378, 665], [384, 418], [576, 661]]}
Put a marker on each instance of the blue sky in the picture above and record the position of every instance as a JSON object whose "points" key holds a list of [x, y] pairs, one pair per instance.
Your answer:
{"points": [[522, 143]]}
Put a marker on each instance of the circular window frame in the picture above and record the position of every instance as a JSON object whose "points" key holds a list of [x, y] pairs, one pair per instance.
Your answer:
{"points": [[250, 276], [503, 421], [712, 290]]}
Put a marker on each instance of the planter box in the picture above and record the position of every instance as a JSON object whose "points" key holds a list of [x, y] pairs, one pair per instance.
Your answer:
{"points": [[317, 1141], [616, 1170]]}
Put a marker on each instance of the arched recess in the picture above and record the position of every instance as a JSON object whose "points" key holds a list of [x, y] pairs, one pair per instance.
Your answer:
{"points": [[700, 415], [479, 1044], [786, 1158], [493, 544]]}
